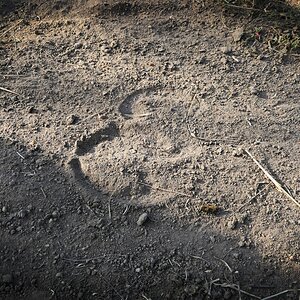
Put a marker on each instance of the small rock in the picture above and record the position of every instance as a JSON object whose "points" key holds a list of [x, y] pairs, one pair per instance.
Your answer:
{"points": [[138, 270], [241, 244], [7, 278], [21, 214], [253, 90], [224, 60], [58, 275], [201, 60], [4, 209], [238, 152], [238, 34], [72, 119], [226, 50], [142, 219], [78, 45], [55, 214], [32, 110]]}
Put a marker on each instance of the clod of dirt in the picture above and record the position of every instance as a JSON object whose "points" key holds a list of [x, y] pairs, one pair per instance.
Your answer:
{"points": [[238, 34], [142, 219]]}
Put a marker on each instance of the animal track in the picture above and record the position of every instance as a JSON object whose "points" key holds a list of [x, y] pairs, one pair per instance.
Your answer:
{"points": [[104, 134], [126, 108]]}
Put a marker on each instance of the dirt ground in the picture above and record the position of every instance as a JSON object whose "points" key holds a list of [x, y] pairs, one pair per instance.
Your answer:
{"points": [[123, 168]]}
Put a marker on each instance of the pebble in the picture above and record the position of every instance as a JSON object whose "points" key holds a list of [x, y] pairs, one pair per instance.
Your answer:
{"points": [[241, 244], [253, 90], [58, 275], [4, 209], [21, 214], [226, 50], [142, 219], [238, 34], [78, 45], [71, 120], [238, 152]]}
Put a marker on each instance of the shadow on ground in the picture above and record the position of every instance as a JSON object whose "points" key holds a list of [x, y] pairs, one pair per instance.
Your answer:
{"points": [[57, 242]]}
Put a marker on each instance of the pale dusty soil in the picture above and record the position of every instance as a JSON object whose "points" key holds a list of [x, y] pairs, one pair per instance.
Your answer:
{"points": [[137, 109]]}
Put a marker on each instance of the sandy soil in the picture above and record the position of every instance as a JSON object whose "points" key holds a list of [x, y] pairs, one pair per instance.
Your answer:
{"points": [[123, 166]]}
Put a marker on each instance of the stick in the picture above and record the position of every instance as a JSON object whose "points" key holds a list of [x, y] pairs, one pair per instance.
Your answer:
{"points": [[20, 155], [201, 258], [8, 91], [165, 190], [234, 287], [13, 75], [273, 180], [44, 194], [278, 294]]}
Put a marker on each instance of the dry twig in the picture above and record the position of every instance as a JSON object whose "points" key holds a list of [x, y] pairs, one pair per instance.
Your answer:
{"points": [[8, 91], [43, 192], [279, 294], [273, 180]]}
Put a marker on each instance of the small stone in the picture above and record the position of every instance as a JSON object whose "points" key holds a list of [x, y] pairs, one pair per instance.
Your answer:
{"points": [[224, 60], [21, 214], [238, 34], [241, 244], [32, 110], [138, 270], [7, 278], [238, 152], [58, 275], [142, 219], [72, 119], [226, 50], [78, 45], [253, 90], [201, 60], [4, 209]]}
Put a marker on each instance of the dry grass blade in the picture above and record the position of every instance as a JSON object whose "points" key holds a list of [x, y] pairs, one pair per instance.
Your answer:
{"points": [[273, 180], [8, 91], [279, 294], [236, 288]]}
